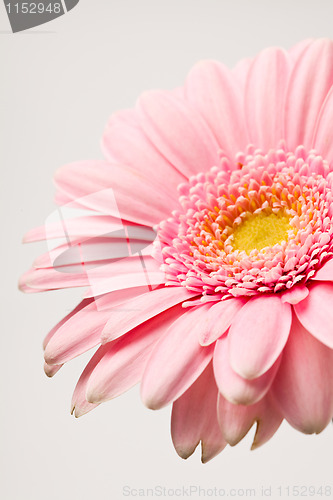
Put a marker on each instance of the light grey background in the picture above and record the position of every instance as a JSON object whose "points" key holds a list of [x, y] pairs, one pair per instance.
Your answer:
{"points": [[59, 84]]}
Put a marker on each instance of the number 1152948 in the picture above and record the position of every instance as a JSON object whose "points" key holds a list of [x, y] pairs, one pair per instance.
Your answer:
{"points": [[34, 8]]}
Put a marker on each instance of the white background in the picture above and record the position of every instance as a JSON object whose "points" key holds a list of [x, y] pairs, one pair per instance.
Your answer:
{"points": [[59, 83]]}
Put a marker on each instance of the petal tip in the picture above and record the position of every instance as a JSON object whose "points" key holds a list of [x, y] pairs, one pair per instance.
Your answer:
{"points": [[185, 452]]}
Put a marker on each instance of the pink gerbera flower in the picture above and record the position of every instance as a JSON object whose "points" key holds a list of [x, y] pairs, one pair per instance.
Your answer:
{"points": [[220, 197]]}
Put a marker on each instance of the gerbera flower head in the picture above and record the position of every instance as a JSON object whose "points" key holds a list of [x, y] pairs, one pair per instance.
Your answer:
{"points": [[206, 245]]}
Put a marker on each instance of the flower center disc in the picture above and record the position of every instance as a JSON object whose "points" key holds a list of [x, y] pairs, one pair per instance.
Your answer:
{"points": [[258, 224], [261, 230]]}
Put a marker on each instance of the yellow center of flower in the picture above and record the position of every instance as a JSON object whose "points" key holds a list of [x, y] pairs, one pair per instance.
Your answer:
{"points": [[261, 230]]}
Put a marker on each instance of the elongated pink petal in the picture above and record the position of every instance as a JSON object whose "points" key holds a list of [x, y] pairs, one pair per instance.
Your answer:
{"points": [[124, 293], [88, 226], [176, 361], [303, 386], [258, 334], [295, 295], [310, 81], [81, 328], [148, 281], [212, 90], [265, 96], [297, 50], [236, 420], [194, 419], [220, 317], [79, 334], [240, 72], [131, 272], [125, 142], [98, 177], [135, 271], [316, 312], [179, 132], [232, 386], [80, 405], [139, 309], [323, 135], [40, 280], [84, 303], [122, 366]]}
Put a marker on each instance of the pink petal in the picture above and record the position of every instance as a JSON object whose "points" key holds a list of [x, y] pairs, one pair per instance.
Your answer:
{"points": [[295, 294], [79, 334], [152, 200], [127, 293], [297, 50], [178, 132], [310, 82], [139, 309], [135, 271], [176, 361], [80, 330], [127, 281], [236, 420], [234, 388], [84, 303], [323, 135], [124, 142], [131, 272], [210, 88], [265, 96], [88, 226], [39, 280], [220, 317], [316, 312], [194, 419], [80, 405], [258, 334], [123, 364], [303, 386]]}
